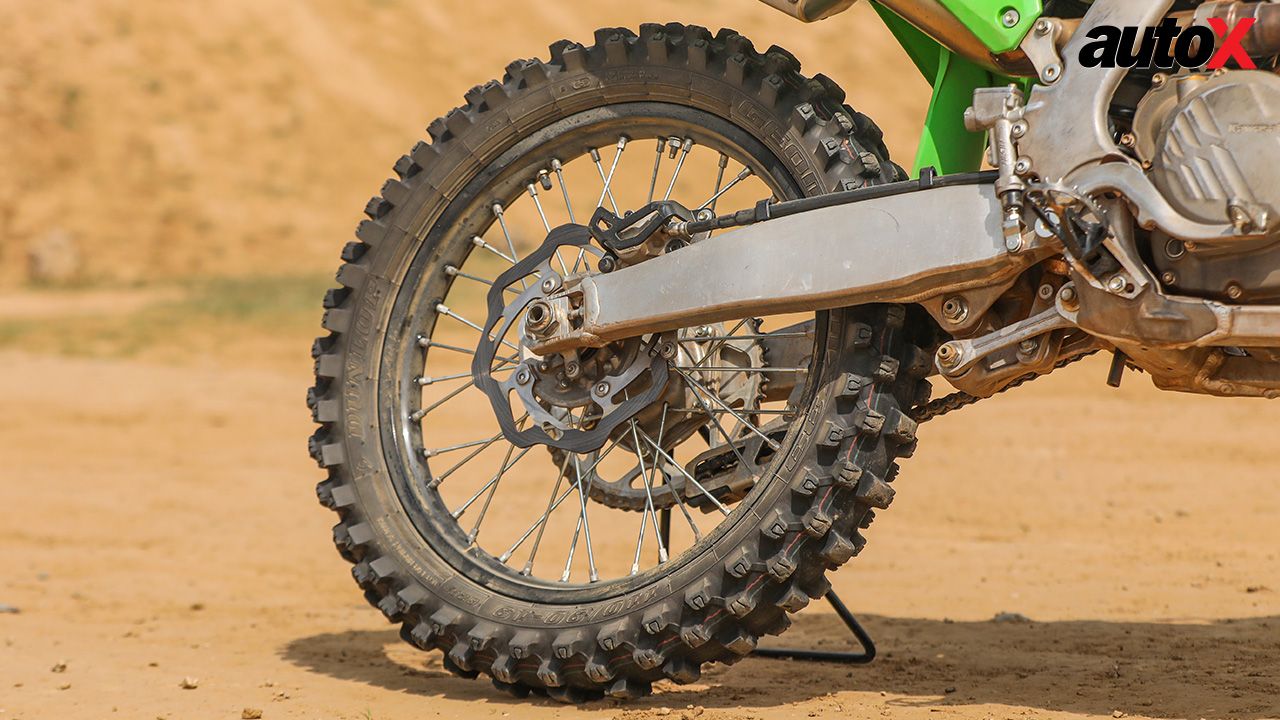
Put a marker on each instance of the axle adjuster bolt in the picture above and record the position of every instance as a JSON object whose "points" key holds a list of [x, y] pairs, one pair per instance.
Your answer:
{"points": [[955, 309], [948, 355], [1070, 300]]}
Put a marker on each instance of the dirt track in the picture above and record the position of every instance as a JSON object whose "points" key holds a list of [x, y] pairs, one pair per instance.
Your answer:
{"points": [[161, 525], [159, 516]]}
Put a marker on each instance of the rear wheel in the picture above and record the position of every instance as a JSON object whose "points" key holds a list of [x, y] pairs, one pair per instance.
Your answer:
{"points": [[709, 514]]}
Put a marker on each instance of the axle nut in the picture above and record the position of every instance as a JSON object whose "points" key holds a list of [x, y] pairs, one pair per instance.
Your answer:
{"points": [[948, 355], [955, 309]]}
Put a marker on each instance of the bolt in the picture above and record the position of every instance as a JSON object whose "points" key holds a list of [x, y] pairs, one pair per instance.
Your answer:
{"points": [[667, 350], [1128, 140], [524, 376], [1029, 346], [1043, 26], [1022, 167], [1169, 278], [1234, 291], [955, 309], [1013, 243], [1068, 297], [1019, 129], [549, 285], [705, 214], [1117, 284], [948, 355], [1011, 18], [1158, 80], [1046, 291], [607, 264], [703, 331], [1052, 73], [572, 369], [601, 389]]}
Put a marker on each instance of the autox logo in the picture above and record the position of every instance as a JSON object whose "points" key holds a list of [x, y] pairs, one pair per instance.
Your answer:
{"points": [[1168, 45]]}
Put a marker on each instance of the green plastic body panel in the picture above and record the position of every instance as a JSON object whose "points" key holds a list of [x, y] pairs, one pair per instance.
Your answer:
{"points": [[945, 144], [985, 19]]}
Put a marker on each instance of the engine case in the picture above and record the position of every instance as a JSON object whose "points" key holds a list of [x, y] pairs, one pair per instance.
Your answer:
{"points": [[1212, 146]]}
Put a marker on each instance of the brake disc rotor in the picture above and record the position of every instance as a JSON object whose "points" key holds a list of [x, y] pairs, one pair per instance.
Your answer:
{"points": [[616, 396]]}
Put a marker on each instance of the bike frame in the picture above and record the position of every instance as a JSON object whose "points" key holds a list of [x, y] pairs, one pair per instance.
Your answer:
{"points": [[945, 144]]}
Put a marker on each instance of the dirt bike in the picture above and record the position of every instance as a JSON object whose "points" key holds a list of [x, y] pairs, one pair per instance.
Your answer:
{"points": [[624, 358]]}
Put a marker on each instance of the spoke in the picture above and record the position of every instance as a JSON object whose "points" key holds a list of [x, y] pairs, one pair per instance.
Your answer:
{"points": [[720, 168], [758, 411], [421, 413], [723, 510], [564, 189], [716, 348], [716, 422], [746, 173], [430, 453], [501, 215], [533, 193], [480, 243], [452, 271], [584, 523], [573, 546], [732, 369], [444, 310], [546, 515], [648, 507], [426, 380], [657, 161], [613, 168], [685, 147], [435, 481], [496, 480], [697, 534], [698, 386], [492, 487], [529, 531], [595, 157], [426, 342], [746, 336], [664, 526]]}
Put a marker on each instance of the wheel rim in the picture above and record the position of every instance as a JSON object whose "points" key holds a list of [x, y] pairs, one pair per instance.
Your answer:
{"points": [[562, 544]]}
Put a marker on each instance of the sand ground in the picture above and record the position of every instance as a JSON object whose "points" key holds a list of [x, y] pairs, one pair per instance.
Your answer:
{"points": [[161, 525], [159, 520]]}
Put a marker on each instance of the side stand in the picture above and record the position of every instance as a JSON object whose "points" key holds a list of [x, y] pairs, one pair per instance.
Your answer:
{"points": [[852, 658], [837, 656]]}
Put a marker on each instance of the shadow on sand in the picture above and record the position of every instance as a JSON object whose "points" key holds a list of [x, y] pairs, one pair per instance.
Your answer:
{"points": [[1223, 669]]}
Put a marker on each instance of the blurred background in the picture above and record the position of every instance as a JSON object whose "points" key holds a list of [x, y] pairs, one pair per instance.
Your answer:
{"points": [[148, 141], [176, 180]]}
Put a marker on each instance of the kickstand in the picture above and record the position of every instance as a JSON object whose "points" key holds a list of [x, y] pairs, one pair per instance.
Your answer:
{"points": [[837, 656]]}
